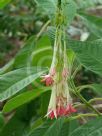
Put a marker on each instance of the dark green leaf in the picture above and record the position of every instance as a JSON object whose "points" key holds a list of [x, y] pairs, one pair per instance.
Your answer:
{"points": [[69, 127], [19, 123], [57, 128], [92, 128], [2, 121], [41, 130], [49, 130]]}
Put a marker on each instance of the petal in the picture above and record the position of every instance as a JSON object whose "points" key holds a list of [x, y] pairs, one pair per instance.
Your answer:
{"points": [[71, 109]]}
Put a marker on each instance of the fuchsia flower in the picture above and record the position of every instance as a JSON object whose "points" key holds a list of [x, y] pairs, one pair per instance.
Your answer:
{"points": [[60, 102], [48, 80], [61, 111]]}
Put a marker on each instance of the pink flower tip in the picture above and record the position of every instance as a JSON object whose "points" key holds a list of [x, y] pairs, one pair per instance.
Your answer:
{"points": [[62, 111], [70, 109], [51, 115], [48, 80]]}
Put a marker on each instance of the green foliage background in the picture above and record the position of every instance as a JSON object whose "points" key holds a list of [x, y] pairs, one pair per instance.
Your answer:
{"points": [[24, 57]]}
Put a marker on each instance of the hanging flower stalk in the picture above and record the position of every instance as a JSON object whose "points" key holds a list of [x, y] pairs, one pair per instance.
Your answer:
{"points": [[60, 102]]}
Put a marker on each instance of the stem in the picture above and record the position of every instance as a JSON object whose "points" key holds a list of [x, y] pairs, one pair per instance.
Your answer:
{"points": [[76, 71], [84, 100], [84, 115], [59, 14], [81, 116], [80, 88], [79, 105], [55, 50], [42, 29], [97, 106], [59, 4], [95, 99]]}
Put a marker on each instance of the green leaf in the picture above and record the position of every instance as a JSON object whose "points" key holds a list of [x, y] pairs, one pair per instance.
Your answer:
{"points": [[19, 123], [57, 127], [42, 55], [4, 3], [93, 23], [92, 128], [7, 67], [41, 130], [49, 130], [15, 127], [97, 88], [88, 3], [2, 121], [24, 58], [14, 81], [69, 127], [69, 9], [48, 6], [89, 54], [22, 99], [44, 102]]}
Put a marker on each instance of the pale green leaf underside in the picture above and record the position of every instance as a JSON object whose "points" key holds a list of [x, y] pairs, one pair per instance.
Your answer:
{"points": [[89, 54], [50, 8], [93, 23], [97, 88], [14, 81], [87, 3]]}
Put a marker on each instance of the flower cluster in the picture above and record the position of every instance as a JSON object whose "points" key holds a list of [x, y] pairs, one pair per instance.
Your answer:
{"points": [[47, 79], [61, 111], [60, 102]]}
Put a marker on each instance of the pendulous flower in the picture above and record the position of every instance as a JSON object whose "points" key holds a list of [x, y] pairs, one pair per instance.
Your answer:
{"points": [[48, 80], [60, 102]]}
